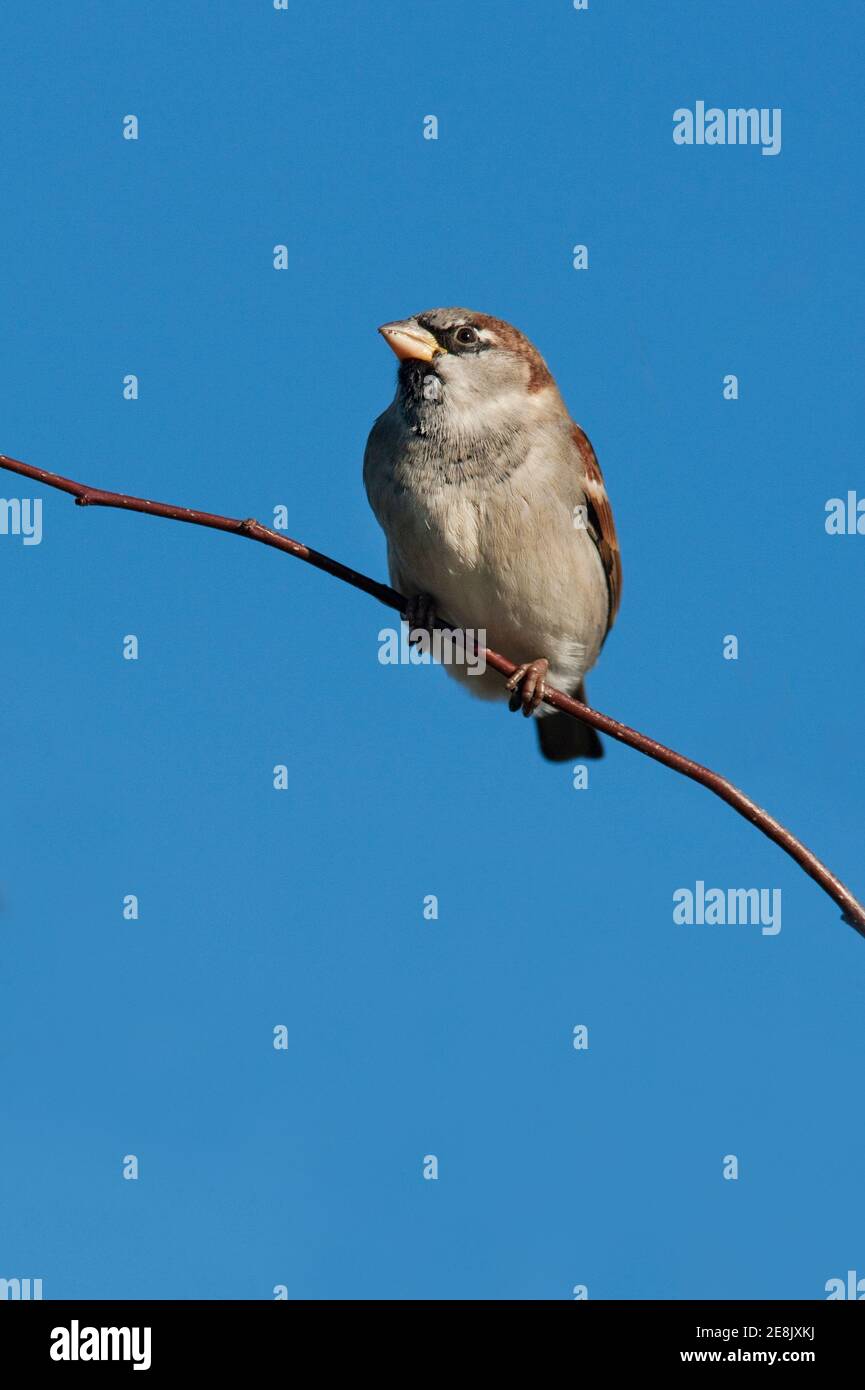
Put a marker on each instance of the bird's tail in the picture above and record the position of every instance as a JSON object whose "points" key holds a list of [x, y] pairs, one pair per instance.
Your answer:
{"points": [[562, 737]]}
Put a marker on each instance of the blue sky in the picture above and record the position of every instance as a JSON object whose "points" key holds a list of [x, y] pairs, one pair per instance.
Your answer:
{"points": [[304, 907]]}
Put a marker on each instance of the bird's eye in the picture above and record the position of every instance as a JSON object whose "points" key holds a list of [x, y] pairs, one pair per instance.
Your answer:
{"points": [[465, 335]]}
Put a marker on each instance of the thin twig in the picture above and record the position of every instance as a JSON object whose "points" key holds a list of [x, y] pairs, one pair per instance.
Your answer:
{"points": [[852, 910]]}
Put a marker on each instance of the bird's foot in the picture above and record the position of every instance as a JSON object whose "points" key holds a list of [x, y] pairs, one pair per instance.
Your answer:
{"points": [[420, 614], [528, 685]]}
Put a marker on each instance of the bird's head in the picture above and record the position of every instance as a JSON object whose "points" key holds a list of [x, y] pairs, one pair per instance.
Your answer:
{"points": [[464, 373]]}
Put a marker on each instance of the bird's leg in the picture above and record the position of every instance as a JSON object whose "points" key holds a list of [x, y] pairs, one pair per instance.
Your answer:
{"points": [[527, 684], [420, 614]]}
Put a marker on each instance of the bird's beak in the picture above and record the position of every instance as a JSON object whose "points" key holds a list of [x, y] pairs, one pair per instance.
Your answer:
{"points": [[407, 339]]}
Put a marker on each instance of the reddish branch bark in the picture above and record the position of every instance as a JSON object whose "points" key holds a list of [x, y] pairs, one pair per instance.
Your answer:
{"points": [[852, 910]]}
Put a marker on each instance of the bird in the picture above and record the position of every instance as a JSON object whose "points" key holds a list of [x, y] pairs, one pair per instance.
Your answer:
{"points": [[495, 512]]}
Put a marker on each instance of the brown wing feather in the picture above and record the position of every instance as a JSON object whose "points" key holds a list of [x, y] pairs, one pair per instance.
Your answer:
{"points": [[601, 517]]}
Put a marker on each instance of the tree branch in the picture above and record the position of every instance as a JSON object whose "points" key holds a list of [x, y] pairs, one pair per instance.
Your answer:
{"points": [[852, 910]]}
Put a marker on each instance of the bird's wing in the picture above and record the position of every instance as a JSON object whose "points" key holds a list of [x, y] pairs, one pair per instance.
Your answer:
{"points": [[600, 518]]}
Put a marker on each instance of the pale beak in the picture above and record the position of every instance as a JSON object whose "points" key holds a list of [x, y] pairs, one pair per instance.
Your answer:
{"points": [[407, 339]]}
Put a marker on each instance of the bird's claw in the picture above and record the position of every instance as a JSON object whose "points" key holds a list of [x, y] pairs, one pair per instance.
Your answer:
{"points": [[420, 615], [528, 686]]}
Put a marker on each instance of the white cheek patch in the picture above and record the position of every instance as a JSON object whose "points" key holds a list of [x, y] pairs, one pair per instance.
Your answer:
{"points": [[493, 413]]}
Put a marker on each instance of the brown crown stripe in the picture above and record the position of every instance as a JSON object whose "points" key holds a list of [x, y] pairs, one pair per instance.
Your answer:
{"points": [[511, 338]]}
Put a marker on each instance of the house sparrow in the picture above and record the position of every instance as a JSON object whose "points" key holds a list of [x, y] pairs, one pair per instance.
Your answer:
{"points": [[495, 511]]}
